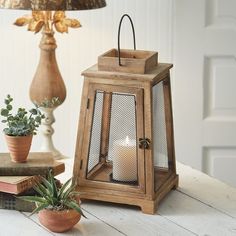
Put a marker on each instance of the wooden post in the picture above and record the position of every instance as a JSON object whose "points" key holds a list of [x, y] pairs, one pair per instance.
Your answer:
{"points": [[105, 129], [169, 124]]}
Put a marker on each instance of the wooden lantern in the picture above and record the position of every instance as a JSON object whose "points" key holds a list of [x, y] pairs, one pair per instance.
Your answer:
{"points": [[125, 144]]}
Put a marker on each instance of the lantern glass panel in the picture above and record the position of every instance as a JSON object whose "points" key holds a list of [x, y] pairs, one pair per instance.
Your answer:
{"points": [[160, 153], [122, 139], [113, 147], [94, 151]]}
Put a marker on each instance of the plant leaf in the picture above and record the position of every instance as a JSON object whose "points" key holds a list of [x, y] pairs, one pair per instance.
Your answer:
{"points": [[40, 189], [6, 101], [48, 185], [32, 199], [64, 186], [53, 183], [65, 194], [4, 112], [38, 119], [40, 207], [75, 206], [33, 111], [9, 107]]}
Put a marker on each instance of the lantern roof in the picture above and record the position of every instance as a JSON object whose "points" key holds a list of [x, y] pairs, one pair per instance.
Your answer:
{"points": [[155, 75]]}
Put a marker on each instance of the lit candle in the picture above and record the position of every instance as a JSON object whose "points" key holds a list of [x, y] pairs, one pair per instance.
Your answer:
{"points": [[125, 160]]}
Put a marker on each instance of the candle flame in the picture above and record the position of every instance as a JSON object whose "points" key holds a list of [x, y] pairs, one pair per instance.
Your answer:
{"points": [[127, 140]]}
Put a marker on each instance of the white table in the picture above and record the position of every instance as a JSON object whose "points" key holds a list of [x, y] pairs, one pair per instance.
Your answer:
{"points": [[201, 206]]}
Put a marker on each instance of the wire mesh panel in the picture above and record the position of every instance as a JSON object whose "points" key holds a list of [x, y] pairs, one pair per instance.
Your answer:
{"points": [[113, 159], [94, 149], [160, 153], [122, 139]]}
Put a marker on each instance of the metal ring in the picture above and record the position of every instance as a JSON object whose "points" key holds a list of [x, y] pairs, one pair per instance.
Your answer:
{"points": [[132, 25]]}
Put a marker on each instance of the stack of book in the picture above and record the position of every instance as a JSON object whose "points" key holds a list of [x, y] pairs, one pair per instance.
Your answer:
{"points": [[18, 178]]}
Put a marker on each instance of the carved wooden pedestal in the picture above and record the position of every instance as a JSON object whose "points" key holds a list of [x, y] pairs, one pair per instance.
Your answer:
{"points": [[48, 85]]}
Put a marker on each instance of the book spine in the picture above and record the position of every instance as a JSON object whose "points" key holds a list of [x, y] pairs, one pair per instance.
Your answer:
{"points": [[10, 202], [32, 171], [23, 171]]}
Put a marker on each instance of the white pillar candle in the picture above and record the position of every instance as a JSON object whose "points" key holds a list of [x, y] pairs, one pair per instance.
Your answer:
{"points": [[125, 160]]}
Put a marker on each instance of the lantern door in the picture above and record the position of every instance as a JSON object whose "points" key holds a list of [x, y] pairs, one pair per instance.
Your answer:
{"points": [[111, 155]]}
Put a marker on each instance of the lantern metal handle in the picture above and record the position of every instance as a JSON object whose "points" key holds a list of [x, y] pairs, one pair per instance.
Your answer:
{"points": [[132, 25]]}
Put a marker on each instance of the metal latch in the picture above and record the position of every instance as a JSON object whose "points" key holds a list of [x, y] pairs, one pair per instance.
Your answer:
{"points": [[144, 143]]}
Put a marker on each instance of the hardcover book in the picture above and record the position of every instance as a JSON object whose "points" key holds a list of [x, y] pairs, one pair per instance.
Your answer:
{"points": [[11, 202], [16, 184], [38, 163]]}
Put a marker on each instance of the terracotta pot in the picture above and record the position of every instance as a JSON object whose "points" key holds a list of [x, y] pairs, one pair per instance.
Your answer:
{"points": [[19, 147], [59, 221]]}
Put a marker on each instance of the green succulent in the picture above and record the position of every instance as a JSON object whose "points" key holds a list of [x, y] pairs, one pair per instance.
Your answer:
{"points": [[22, 123], [46, 103], [52, 197]]}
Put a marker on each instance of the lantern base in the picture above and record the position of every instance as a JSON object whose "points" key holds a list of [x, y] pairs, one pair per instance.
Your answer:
{"points": [[147, 206], [103, 172], [122, 181]]}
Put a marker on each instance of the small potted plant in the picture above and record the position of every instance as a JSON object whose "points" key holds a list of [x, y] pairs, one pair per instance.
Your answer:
{"points": [[20, 129], [58, 207]]}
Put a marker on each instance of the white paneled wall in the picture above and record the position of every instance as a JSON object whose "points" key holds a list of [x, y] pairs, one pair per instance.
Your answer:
{"points": [[76, 51], [204, 91]]}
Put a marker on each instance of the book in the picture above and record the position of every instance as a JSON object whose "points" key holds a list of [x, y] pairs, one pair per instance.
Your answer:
{"points": [[11, 202], [16, 184], [38, 163]]}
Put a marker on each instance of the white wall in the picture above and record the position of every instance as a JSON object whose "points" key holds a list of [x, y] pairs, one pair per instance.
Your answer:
{"points": [[76, 51]]}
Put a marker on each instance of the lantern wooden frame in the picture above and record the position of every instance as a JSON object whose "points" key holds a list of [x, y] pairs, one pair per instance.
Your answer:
{"points": [[153, 183]]}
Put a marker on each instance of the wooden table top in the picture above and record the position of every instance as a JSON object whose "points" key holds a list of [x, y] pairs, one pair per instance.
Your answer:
{"points": [[201, 205]]}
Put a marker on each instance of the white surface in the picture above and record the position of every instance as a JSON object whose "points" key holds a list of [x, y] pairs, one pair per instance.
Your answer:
{"points": [[47, 132], [201, 206], [204, 97]]}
